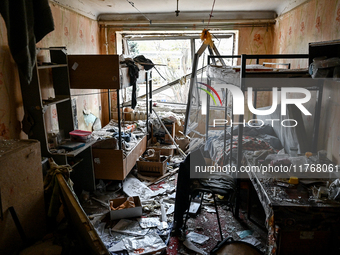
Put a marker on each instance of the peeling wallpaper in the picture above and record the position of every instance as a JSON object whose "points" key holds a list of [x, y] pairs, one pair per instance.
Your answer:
{"points": [[80, 35]]}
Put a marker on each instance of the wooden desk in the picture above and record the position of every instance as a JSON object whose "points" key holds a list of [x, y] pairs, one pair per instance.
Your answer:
{"points": [[296, 223]]}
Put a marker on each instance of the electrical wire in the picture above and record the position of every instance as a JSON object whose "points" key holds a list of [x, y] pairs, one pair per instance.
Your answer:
{"points": [[212, 9], [133, 5]]}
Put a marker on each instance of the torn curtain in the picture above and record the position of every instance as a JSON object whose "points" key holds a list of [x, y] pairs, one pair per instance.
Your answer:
{"points": [[27, 22]]}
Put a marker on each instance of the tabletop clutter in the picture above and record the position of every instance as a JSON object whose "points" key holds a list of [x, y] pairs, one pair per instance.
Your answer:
{"points": [[314, 171]]}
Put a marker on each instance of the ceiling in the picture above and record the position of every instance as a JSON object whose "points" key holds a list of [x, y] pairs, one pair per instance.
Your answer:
{"points": [[95, 8]]}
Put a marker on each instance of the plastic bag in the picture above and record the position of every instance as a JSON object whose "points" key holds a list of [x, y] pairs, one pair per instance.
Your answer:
{"points": [[334, 190]]}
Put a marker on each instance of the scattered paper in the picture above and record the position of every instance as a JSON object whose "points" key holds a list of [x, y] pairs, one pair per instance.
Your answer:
{"points": [[163, 213], [171, 209], [197, 238], [129, 227], [192, 247], [162, 225], [251, 240], [149, 222], [158, 192], [194, 207], [209, 209], [172, 196], [144, 245], [120, 246], [134, 187]]}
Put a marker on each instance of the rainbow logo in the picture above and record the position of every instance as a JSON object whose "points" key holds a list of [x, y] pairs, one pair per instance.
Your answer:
{"points": [[209, 93]]}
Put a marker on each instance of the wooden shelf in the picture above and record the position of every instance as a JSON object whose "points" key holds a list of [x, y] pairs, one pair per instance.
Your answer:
{"points": [[287, 73], [56, 100], [74, 153], [46, 66]]}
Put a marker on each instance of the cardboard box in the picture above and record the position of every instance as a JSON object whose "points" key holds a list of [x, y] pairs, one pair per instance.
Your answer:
{"points": [[167, 150], [150, 168], [136, 211]]}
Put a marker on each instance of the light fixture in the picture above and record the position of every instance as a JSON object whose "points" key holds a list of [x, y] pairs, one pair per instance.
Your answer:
{"points": [[177, 11]]}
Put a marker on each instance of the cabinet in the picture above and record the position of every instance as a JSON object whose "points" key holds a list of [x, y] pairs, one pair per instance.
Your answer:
{"points": [[22, 188], [36, 106]]}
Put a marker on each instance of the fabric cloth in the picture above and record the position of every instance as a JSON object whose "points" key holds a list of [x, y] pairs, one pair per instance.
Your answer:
{"points": [[27, 22], [145, 62], [52, 188], [133, 74]]}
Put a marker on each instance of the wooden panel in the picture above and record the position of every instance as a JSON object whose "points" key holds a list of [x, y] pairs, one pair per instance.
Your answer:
{"points": [[110, 165], [80, 221], [134, 155], [21, 182], [94, 71]]}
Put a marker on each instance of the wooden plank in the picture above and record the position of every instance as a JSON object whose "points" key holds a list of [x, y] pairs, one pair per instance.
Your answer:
{"points": [[108, 164], [134, 155], [80, 220], [94, 71]]}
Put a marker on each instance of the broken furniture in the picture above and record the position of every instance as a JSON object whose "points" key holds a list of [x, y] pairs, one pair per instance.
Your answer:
{"points": [[79, 220], [40, 98], [104, 72], [116, 164], [260, 78], [22, 190], [153, 167], [291, 215], [246, 76], [189, 187], [218, 184], [264, 80]]}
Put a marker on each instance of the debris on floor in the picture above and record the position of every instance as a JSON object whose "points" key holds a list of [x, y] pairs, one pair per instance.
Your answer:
{"points": [[197, 238], [150, 231]]}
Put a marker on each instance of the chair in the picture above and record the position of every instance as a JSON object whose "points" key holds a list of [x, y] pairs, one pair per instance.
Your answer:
{"points": [[217, 183], [231, 247]]}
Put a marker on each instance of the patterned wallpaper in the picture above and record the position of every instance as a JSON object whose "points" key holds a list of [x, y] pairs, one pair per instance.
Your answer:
{"points": [[311, 22], [314, 21], [80, 35]]}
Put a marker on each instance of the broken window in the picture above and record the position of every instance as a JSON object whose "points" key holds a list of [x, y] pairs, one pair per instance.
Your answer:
{"points": [[172, 54]]}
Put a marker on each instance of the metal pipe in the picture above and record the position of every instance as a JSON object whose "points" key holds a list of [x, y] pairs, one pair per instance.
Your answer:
{"points": [[172, 139]]}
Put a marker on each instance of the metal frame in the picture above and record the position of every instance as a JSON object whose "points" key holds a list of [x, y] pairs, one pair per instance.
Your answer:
{"points": [[243, 74], [148, 99]]}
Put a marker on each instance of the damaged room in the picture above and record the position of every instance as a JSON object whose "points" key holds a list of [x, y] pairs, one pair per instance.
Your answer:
{"points": [[169, 127]]}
